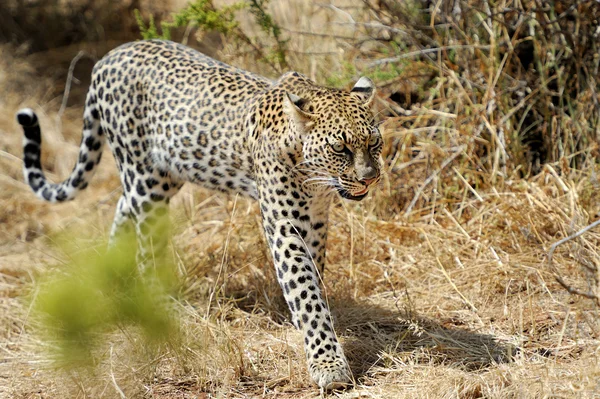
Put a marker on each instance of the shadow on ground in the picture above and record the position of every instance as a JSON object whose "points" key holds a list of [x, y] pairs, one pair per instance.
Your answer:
{"points": [[374, 336]]}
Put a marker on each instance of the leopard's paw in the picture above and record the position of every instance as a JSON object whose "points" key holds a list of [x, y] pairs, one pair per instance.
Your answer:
{"points": [[330, 373]]}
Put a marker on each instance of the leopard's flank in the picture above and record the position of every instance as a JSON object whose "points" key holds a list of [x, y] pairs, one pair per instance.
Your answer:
{"points": [[172, 115]]}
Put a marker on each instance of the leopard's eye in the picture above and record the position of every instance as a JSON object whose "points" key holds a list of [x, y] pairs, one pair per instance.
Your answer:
{"points": [[338, 147], [374, 140]]}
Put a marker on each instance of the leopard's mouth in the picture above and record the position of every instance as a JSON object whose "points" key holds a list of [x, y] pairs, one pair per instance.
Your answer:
{"points": [[354, 197]]}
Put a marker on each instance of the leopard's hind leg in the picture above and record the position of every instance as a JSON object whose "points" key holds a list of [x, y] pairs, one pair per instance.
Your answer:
{"points": [[145, 203], [122, 227]]}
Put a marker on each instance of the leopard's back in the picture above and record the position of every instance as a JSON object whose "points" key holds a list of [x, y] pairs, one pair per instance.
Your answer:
{"points": [[165, 105]]}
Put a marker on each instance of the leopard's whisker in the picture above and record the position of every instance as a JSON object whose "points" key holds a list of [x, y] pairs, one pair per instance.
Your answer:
{"points": [[305, 162], [319, 181], [312, 170]]}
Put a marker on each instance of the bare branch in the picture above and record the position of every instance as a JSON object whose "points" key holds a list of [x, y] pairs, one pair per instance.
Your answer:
{"points": [[74, 62], [447, 162], [424, 51], [558, 277]]}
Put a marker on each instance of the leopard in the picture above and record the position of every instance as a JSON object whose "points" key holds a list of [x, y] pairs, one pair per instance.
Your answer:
{"points": [[173, 115]]}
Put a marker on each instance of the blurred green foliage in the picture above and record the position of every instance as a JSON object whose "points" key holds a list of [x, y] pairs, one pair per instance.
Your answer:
{"points": [[206, 18], [201, 13], [98, 293]]}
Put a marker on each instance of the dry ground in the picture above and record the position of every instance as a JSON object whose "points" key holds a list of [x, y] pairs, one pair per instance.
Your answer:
{"points": [[448, 300]]}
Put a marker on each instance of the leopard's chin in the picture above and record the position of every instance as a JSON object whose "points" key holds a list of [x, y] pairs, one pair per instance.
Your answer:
{"points": [[346, 194]]}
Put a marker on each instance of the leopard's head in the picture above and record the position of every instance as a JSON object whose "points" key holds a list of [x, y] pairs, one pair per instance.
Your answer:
{"points": [[341, 141]]}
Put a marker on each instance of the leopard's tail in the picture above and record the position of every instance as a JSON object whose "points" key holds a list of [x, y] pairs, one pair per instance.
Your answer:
{"points": [[90, 152]]}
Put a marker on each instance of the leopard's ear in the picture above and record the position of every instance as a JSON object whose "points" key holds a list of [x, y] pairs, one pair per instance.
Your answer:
{"points": [[364, 90], [293, 108]]}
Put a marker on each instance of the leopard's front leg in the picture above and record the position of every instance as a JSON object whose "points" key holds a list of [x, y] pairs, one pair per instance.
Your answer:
{"points": [[296, 233]]}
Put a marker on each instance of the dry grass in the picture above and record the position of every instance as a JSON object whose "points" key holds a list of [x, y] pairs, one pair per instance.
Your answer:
{"points": [[438, 282]]}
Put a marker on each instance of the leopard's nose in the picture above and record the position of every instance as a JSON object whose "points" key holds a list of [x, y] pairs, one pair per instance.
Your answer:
{"points": [[367, 182]]}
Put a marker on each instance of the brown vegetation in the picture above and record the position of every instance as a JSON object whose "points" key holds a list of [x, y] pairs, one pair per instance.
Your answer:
{"points": [[439, 282]]}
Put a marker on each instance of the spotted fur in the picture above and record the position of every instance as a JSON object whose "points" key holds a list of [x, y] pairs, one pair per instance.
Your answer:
{"points": [[172, 115]]}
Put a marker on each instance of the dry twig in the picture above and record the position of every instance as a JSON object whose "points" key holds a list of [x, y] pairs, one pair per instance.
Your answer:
{"points": [[572, 290]]}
